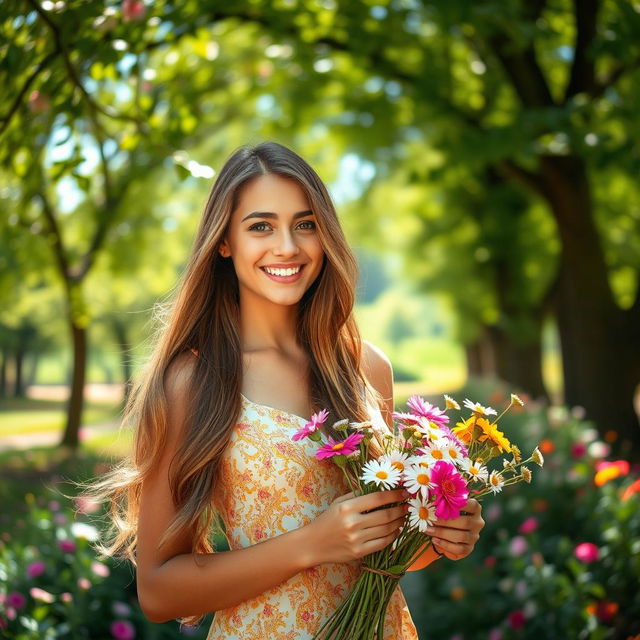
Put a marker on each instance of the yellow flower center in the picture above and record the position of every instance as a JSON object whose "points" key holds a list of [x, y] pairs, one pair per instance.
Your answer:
{"points": [[436, 453], [474, 471], [396, 464], [495, 480], [337, 446], [423, 464], [453, 453], [383, 475], [422, 478], [423, 513]]}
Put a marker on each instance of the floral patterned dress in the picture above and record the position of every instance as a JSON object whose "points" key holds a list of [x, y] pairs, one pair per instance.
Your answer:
{"points": [[269, 485]]}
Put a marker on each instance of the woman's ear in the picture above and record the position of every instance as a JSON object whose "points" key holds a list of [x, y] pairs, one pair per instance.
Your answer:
{"points": [[223, 249]]}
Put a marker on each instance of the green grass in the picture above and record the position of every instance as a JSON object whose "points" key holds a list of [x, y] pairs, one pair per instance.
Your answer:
{"points": [[24, 415]]}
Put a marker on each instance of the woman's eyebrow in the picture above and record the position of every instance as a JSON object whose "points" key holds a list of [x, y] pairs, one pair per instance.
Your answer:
{"points": [[271, 214]]}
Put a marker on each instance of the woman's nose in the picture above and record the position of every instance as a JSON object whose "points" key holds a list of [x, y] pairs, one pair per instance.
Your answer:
{"points": [[285, 244]]}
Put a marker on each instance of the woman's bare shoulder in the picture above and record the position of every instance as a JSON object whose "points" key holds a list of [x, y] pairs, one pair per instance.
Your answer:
{"points": [[178, 375], [376, 364]]}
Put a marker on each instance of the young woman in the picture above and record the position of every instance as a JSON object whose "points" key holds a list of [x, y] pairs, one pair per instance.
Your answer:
{"points": [[260, 336]]}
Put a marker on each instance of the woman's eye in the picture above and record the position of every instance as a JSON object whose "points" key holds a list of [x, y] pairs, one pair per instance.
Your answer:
{"points": [[264, 226], [254, 227]]}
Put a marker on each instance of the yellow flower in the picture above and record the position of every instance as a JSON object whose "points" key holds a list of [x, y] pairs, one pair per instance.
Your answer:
{"points": [[492, 433], [464, 429]]}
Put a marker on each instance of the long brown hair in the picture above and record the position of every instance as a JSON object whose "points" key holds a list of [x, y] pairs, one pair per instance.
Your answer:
{"points": [[204, 315]]}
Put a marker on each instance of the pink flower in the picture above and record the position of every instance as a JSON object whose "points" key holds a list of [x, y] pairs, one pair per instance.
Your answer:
{"points": [[518, 546], [517, 619], [68, 546], [450, 490], [587, 552], [41, 594], [86, 504], [84, 583], [528, 526], [316, 420], [339, 447], [420, 407], [66, 597], [15, 599], [36, 568], [122, 630], [100, 569], [495, 634]]}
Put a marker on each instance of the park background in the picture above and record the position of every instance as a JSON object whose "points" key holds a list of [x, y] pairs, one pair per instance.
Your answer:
{"points": [[483, 158]]}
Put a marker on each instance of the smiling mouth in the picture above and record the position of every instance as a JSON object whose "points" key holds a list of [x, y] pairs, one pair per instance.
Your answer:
{"points": [[283, 275]]}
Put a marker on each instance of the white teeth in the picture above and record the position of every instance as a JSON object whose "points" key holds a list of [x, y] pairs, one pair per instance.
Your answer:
{"points": [[282, 272]]}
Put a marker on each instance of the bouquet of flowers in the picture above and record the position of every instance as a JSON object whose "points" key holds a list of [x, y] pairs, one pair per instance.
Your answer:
{"points": [[441, 467]]}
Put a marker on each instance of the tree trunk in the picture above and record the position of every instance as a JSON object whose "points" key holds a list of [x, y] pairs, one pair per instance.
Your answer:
{"points": [[519, 362], [18, 388], [599, 341], [3, 372], [125, 355], [480, 356], [76, 398]]}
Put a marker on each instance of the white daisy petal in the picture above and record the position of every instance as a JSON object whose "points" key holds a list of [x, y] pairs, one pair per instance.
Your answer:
{"points": [[421, 514], [381, 473]]}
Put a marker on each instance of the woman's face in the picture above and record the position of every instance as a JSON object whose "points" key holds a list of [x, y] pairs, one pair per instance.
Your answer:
{"points": [[273, 230]]}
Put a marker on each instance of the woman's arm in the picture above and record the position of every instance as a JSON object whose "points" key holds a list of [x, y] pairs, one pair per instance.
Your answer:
{"points": [[171, 584]]}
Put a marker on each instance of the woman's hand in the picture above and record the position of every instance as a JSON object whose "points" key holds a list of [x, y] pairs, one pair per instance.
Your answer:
{"points": [[456, 538], [353, 526]]}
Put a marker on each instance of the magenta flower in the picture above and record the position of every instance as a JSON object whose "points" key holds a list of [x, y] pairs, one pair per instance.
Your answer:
{"points": [[68, 546], [587, 552], [528, 526], [309, 427], [35, 569], [420, 407], [450, 490], [517, 619], [122, 630], [339, 447], [15, 599]]}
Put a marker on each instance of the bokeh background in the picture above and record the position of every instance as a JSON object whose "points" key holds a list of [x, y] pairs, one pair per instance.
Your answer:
{"points": [[484, 160]]}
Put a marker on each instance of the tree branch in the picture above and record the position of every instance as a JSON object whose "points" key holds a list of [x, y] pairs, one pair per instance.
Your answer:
{"points": [[523, 70], [94, 106], [582, 77], [25, 87], [533, 181]]}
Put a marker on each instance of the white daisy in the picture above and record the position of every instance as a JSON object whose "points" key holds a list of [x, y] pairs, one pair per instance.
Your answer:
{"points": [[380, 472], [397, 459], [361, 426], [451, 403], [454, 451], [496, 482], [475, 469], [437, 451], [478, 409], [417, 479], [421, 514]]}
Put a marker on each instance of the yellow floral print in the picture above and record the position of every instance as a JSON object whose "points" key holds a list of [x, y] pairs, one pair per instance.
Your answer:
{"points": [[269, 485]]}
